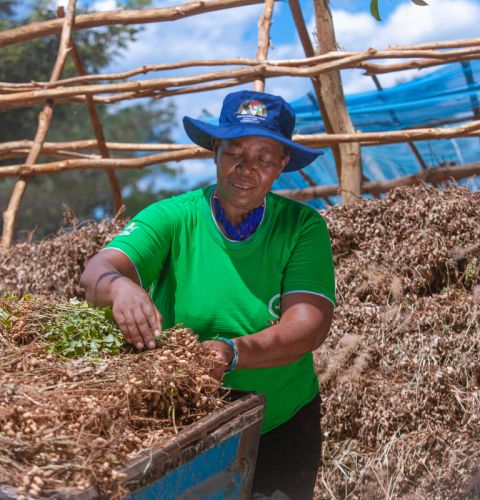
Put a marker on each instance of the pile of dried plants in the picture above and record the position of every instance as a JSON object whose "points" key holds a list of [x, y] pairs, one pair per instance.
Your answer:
{"points": [[54, 265], [400, 372], [75, 421], [414, 242]]}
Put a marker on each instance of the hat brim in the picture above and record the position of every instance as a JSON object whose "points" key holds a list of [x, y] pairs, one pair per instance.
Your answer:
{"points": [[201, 133]]}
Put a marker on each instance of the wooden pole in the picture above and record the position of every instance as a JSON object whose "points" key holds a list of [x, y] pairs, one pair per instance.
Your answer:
{"points": [[102, 163], [161, 87], [97, 127], [371, 68], [123, 17], [17, 148], [310, 53], [177, 152], [390, 137], [432, 175], [44, 120], [264, 24], [344, 60], [334, 102]]}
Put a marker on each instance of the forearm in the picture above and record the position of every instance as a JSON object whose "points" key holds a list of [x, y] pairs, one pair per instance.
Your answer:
{"points": [[110, 278], [278, 345], [100, 278]]}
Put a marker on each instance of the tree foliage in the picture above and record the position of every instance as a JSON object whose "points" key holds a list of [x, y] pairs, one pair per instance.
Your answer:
{"points": [[86, 191]]}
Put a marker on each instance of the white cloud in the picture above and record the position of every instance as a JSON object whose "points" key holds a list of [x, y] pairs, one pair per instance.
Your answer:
{"points": [[215, 35], [408, 24], [104, 5]]}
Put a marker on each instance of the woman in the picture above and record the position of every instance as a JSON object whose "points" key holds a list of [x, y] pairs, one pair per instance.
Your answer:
{"points": [[249, 271]]}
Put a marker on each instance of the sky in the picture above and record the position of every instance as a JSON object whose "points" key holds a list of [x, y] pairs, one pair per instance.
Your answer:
{"points": [[233, 33]]}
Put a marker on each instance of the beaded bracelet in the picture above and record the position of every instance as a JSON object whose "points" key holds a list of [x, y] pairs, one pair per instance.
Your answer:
{"points": [[234, 362]]}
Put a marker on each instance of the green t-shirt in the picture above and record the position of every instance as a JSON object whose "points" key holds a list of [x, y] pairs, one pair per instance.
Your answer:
{"points": [[224, 288]]}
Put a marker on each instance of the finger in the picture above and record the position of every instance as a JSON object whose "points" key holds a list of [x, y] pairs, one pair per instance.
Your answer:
{"points": [[121, 323], [158, 331], [131, 326], [154, 318], [144, 328]]}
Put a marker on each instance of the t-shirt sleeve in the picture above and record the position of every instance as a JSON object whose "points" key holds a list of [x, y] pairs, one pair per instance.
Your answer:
{"points": [[310, 266], [147, 240]]}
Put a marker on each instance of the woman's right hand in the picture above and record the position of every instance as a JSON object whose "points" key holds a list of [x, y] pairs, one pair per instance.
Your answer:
{"points": [[135, 314], [111, 279]]}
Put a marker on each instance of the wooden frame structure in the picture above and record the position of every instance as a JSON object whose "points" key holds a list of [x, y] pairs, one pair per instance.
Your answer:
{"points": [[321, 64]]}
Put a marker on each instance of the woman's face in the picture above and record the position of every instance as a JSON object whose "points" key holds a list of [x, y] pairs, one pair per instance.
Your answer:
{"points": [[247, 168]]}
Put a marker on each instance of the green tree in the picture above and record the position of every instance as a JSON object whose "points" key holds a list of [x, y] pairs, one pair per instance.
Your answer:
{"points": [[87, 192]]}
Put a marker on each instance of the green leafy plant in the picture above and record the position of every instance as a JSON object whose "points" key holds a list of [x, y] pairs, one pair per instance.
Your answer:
{"points": [[69, 328], [78, 329]]}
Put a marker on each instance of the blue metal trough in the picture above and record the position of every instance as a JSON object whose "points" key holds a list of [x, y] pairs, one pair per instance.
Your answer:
{"points": [[213, 458]]}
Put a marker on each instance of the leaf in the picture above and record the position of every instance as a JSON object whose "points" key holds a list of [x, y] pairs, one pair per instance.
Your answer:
{"points": [[109, 339], [422, 3], [118, 342], [374, 9]]}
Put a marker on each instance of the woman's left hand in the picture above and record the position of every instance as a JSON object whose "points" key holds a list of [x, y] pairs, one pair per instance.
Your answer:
{"points": [[223, 356]]}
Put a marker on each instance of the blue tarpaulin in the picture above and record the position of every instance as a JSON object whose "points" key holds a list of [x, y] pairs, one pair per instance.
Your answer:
{"points": [[448, 96]]}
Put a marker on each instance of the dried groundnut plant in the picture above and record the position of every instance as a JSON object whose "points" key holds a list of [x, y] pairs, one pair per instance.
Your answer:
{"points": [[74, 422], [400, 371]]}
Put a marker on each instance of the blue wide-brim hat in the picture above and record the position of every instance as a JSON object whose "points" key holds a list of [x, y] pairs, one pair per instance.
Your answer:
{"points": [[247, 113]]}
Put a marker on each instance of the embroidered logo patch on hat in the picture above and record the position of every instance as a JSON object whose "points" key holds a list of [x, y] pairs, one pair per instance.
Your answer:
{"points": [[251, 111]]}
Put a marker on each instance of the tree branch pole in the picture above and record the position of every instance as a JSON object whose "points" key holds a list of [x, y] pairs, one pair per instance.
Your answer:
{"points": [[97, 127], [124, 17], [401, 52], [44, 119], [331, 90], [377, 69], [42, 28], [433, 175], [89, 144], [376, 138], [121, 163], [191, 152], [471, 129], [163, 86], [264, 24]]}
